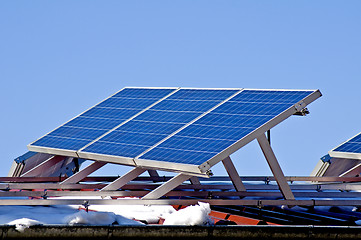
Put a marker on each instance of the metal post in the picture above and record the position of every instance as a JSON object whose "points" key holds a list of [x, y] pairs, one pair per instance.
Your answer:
{"points": [[153, 174], [194, 180], [275, 167], [233, 174]]}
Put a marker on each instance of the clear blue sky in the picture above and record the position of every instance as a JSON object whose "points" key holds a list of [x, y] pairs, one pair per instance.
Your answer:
{"points": [[58, 58]]}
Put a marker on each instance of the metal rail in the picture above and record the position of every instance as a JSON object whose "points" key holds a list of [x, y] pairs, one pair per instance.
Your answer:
{"points": [[220, 202], [166, 178], [46, 190]]}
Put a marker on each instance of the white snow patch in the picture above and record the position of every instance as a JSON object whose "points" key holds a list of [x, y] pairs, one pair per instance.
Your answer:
{"points": [[22, 223], [106, 214], [98, 218], [148, 213], [191, 215]]}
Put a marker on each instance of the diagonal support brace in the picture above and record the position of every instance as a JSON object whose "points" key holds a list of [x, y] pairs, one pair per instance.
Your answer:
{"points": [[44, 166], [356, 170], [121, 181], [167, 186], [233, 174], [84, 173], [275, 167]]}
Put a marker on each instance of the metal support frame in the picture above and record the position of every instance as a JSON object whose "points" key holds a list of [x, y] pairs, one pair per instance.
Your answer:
{"points": [[42, 167], [167, 186], [84, 172], [121, 181], [275, 167], [356, 170], [194, 180], [153, 174], [233, 174]]}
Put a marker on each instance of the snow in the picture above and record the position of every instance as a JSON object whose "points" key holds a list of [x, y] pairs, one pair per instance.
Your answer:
{"points": [[24, 216], [191, 215], [22, 223], [146, 213], [98, 218]]}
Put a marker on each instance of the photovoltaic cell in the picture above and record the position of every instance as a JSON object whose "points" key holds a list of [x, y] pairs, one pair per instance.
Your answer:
{"points": [[61, 143], [98, 120], [225, 125], [183, 126], [203, 94], [351, 146], [87, 122], [158, 122]]}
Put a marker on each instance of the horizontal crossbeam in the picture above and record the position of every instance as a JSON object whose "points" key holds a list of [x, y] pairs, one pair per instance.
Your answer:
{"points": [[259, 203]]}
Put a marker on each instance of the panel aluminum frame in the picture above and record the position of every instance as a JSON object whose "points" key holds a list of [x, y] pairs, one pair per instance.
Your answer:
{"points": [[188, 169], [347, 155]]}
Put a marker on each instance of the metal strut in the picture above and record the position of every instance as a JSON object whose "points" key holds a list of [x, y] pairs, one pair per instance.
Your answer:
{"points": [[275, 167]]}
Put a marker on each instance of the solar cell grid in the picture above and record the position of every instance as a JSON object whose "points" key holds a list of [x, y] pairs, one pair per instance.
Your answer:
{"points": [[150, 127], [203, 94], [185, 105], [95, 123], [218, 119], [160, 120], [101, 118], [214, 132], [227, 124], [61, 143], [274, 96], [128, 103], [137, 93], [110, 113], [351, 146], [196, 144], [171, 126], [180, 156], [108, 148]]}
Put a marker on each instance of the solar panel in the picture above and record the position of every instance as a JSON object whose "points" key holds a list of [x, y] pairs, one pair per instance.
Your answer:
{"points": [[349, 149], [200, 143], [98, 120], [180, 129], [155, 124]]}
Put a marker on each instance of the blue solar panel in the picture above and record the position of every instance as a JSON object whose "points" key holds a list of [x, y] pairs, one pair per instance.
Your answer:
{"points": [[180, 156], [203, 94], [159, 121], [165, 116], [128, 103], [136, 93], [272, 96], [108, 148], [98, 120], [225, 125], [61, 143], [351, 146], [87, 122], [183, 126], [110, 113], [185, 105]]}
